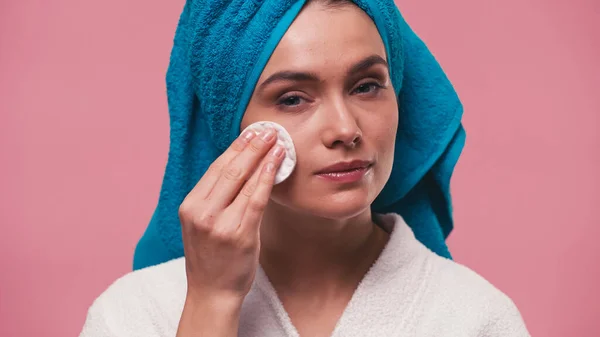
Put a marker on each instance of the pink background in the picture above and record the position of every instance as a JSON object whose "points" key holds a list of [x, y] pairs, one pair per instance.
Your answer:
{"points": [[84, 137]]}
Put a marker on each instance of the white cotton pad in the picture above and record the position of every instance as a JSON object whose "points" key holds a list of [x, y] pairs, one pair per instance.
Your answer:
{"points": [[283, 139]]}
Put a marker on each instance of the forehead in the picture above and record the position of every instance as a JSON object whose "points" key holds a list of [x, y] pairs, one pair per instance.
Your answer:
{"points": [[322, 37]]}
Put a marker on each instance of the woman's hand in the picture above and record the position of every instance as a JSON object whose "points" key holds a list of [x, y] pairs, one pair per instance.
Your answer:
{"points": [[220, 221]]}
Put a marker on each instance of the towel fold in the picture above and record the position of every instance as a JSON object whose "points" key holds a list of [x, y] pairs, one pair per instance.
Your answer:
{"points": [[219, 51]]}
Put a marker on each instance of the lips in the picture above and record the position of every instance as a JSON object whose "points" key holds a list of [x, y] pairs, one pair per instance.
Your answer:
{"points": [[342, 167]]}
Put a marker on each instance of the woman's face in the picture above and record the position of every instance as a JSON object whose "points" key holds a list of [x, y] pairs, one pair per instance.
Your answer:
{"points": [[327, 83]]}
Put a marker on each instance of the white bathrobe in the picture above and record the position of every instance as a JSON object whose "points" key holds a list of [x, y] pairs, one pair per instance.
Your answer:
{"points": [[409, 291]]}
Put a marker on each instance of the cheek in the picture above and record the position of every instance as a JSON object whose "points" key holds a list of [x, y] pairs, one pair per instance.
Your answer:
{"points": [[386, 146], [383, 129], [383, 125], [254, 113], [248, 118]]}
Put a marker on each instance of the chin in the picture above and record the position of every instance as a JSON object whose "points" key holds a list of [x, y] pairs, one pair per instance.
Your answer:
{"points": [[337, 211], [338, 205]]}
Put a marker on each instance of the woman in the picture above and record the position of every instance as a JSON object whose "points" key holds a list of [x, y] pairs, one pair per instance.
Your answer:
{"points": [[307, 257]]}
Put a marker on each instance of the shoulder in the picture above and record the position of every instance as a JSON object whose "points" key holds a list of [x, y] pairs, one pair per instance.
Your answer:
{"points": [[144, 302], [465, 283], [461, 295], [169, 276], [450, 298]]}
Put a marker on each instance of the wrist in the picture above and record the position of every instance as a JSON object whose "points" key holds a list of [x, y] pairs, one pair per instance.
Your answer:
{"points": [[214, 302], [210, 316]]}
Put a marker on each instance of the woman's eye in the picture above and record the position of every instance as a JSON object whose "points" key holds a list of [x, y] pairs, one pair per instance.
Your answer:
{"points": [[295, 101], [290, 101], [367, 88]]}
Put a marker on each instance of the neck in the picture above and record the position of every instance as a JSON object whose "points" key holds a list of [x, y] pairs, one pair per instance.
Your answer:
{"points": [[301, 252]]}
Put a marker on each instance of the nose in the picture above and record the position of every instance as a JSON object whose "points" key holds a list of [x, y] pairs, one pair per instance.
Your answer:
{"points": [[341, 127]]}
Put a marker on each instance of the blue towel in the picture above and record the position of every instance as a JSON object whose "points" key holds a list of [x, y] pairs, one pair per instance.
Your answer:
{"points": [[219, 51]]}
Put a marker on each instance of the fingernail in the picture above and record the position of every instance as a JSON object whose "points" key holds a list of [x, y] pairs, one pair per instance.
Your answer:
{"points": [[278, 151], [268, 135], [248, 135], [270, 167]]}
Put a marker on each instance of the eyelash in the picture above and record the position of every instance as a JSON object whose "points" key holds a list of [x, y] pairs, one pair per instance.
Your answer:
{"points": [[287, 97], [374, 85]]}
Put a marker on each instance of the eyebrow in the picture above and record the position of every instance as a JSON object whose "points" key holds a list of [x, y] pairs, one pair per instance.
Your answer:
{"points": [[287, 75], [366, 64]]}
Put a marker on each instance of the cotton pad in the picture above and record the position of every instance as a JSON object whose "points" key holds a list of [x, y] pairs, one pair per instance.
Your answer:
{"points": [[283, 139]]}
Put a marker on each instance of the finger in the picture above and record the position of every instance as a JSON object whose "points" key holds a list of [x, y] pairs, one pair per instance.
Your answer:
{"points": [[237, 172], [241, 201], [210, 178], [255, 200], [238, 206]]}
